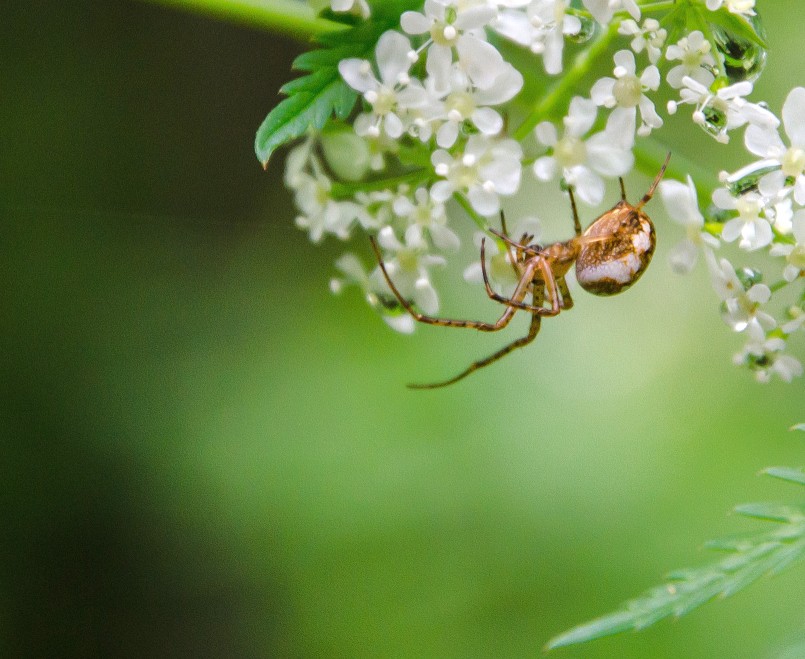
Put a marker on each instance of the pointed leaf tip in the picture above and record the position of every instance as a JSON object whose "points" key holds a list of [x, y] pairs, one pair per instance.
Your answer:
{"points": [[790, 474], [613, 623]]}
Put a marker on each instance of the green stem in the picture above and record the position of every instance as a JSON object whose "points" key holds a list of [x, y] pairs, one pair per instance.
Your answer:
{"points": [[287, 17], [779, 285], [560, 92], [343, 190], [483, 225]]}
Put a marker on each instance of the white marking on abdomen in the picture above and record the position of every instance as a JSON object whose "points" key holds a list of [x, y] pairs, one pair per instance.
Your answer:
{"points": [[621, 270]]}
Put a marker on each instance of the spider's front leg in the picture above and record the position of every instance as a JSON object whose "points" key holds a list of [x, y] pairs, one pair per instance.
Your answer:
{"points": [[552, 285], [532, 308]]}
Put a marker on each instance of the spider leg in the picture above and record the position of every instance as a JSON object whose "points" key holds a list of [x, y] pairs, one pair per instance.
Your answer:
{"points": [[514, 243], [576, 223], [519, 293], [623, 188], [532, 308], [503, 223], [647, 197], [512, 255], [537, 292], [533, 330], [567, 301]]}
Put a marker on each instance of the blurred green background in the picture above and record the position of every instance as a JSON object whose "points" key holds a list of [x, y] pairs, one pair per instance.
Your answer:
{"points": [[205, 453]]}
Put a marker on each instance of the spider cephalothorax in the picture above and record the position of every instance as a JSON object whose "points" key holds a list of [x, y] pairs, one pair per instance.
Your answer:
{"points": [[610, 256]]}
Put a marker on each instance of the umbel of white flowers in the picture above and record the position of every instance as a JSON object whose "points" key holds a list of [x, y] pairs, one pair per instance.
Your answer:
{"points": [[434, 122]]}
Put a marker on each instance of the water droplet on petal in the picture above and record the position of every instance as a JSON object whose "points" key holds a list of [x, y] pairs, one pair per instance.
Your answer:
{"points": [[588, 29], [749, 277], [713, 121], [743, 59], [747, 178]]}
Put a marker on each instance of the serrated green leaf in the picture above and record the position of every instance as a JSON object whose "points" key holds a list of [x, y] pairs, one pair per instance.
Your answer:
{"points": [[322, 57], [309, 83], [297, 114], [773, 512], [790, 474], [314, 98], [736, 25]]}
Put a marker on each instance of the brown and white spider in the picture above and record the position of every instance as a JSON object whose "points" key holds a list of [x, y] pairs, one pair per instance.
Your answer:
{"points": [[610, 256]]}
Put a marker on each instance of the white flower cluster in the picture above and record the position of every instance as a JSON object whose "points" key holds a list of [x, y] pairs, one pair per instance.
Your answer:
{"points": [[435, 128], [762, 207]]}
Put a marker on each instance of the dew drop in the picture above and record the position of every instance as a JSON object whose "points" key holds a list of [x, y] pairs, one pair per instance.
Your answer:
{"points": [[713, 121], [743, 59], [748, 277], [588, 29], [747, 178]]}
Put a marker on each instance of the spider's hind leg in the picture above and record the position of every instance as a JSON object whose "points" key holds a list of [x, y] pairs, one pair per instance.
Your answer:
{"points": [[533, 330]]}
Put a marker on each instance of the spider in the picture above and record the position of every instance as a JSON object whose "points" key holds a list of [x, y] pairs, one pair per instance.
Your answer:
{"points": [[610, 256]]}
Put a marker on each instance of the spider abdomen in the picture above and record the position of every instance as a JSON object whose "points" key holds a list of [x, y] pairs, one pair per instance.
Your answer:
{"points": [[616, 249]]}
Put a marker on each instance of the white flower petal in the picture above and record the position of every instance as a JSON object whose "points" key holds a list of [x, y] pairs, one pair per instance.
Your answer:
{"points": [[415, 23], [601, 91], [447, 134], [487, 120], [794, 116], [402, 323], [547, 134], [425, 296], [625, 59], [683, 256], [732, 229], [474, 18], [765, 143], [580, 117], [357, 73], [605, 158], [392, 56], [444, 238], [545, 168], [680, 202], [393, 125], [440, 58], [771, 184], [588, 186], [799, 190], [621, 127], [486, 203], [481, 60], [441, 191]]}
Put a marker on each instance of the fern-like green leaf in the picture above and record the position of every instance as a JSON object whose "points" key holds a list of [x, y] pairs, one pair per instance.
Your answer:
{"points": [[789, 474], [321, 94], [748, 557]]}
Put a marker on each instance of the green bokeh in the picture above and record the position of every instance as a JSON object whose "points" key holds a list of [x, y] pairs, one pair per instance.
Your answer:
{"points": [[207, 454]]}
